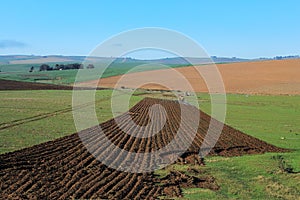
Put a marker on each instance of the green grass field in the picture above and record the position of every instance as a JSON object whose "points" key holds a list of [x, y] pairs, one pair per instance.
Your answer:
{"points": [[20, 72], [54, 106], [266, 117], [274, 119]]}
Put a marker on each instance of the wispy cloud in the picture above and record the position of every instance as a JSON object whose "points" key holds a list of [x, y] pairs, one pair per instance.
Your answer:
{"points": [[11, 44]]}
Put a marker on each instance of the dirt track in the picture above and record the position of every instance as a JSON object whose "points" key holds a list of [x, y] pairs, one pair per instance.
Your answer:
{"points": [[64, 169], [261, 77]]}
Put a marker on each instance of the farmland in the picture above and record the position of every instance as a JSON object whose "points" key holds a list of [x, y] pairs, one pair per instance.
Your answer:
{"points": [[265, 117], [273, 77], [150, 100], [50, 107], [20, 72], [60, 159]]}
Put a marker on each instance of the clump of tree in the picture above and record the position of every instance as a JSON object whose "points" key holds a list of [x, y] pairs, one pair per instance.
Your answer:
{"points": [[68, 66], [45, 67], [90, 66]]}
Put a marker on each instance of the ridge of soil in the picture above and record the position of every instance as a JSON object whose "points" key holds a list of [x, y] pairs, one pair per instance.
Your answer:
{"points": [[64, 168]]}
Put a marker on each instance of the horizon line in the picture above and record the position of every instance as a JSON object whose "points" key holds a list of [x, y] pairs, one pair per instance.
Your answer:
{"points": [[171, 57]]}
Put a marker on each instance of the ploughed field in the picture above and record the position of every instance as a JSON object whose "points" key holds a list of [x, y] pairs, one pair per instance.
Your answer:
{"points": [[17, 85], [261, 77], [64, 168]]}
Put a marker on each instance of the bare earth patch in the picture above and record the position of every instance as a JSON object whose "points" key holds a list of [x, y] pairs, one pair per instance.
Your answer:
{"points": [[65, 169], [261, 77]]}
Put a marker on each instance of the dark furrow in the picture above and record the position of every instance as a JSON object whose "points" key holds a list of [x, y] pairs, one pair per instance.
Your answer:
{"points": [[65, 169]]}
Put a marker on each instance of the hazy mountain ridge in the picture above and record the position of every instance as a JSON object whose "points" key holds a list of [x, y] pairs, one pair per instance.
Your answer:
{"points": [[33, 59]]}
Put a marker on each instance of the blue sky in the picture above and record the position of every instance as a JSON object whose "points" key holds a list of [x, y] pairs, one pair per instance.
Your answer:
{"points": [[250, 28]]}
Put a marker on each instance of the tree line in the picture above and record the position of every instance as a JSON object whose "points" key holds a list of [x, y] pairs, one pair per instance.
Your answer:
{"points": [[46, 67]]}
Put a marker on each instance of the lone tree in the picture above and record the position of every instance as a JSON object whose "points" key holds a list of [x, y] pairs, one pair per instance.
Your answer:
{"points": [[31, 69], [90, 66]]}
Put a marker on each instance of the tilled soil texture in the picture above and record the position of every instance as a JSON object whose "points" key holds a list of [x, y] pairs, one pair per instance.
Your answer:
{"points": [[65, 169], [18, 85]]}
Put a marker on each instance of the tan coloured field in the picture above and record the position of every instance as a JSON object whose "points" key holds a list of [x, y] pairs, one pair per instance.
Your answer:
{"points": [[40, 60], [261, 77]]}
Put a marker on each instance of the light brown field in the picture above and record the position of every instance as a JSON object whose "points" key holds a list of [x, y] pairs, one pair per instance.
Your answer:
{"points": [[261, 77], [48, 59]]}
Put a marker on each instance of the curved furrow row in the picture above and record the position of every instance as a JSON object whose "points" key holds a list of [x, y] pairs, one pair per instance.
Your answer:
{"points": [[68, 167]]}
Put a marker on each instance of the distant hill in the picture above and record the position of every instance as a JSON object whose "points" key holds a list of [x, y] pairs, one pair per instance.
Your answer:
{"points": [[33, 59], [191, 60]]}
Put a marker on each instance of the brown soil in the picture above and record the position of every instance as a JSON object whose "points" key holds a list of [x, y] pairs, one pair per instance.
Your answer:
{"points": [[18, 85], [261, 77], [176, 180], [64, 169]]}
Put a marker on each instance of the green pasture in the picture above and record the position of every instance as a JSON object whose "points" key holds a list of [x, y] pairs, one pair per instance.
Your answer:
{"points": [[20, 72], [274, 119]]}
